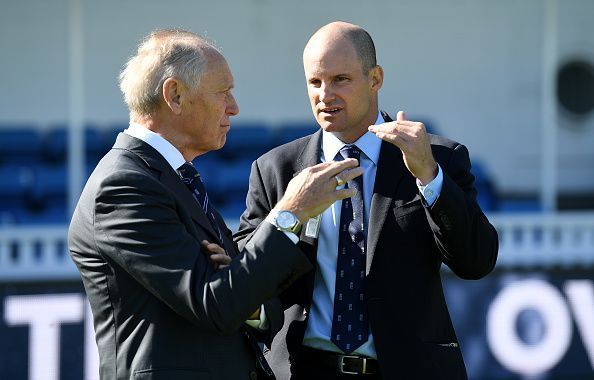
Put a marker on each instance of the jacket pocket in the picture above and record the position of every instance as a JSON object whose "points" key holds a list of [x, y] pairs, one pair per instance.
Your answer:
{"points": [[443, 361], [172, 374], [401, 210]]}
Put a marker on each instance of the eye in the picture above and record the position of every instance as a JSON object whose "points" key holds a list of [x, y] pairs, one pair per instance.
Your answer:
{"points": [[342, 78], [315, 82]]}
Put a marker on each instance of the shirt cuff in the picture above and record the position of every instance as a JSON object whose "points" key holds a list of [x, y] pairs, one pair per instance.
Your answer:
{"points": [[294, 238], [262, 323], [431, 191]]}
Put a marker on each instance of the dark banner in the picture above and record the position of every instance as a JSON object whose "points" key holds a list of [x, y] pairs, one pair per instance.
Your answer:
{"points": [[511, 325]]}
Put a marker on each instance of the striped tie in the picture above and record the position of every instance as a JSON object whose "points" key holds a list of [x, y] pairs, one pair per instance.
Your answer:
{"points": [[192, 179]]}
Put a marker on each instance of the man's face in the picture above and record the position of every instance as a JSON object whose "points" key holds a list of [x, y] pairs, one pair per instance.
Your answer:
{"points": [[342, 96], [209, 108]]}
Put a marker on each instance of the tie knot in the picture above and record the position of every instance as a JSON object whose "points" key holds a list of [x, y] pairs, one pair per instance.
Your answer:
{"points": [[350, 151], [188, 171]]}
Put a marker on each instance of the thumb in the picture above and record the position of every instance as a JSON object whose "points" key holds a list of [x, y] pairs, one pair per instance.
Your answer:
{"points": [[400, 116]]}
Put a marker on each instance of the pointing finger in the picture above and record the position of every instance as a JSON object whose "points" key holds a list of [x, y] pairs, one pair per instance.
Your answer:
{"points": [[350, 174], [400, 116], [336, 167]]}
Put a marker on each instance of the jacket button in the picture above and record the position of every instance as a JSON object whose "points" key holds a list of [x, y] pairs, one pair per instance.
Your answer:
{"points": [[253, 375]]}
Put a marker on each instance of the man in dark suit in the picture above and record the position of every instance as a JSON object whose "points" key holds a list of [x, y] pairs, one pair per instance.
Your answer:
{"points": [[161, 308], [374, 306]]}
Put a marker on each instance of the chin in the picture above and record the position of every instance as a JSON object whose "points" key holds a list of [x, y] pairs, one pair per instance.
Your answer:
{"points": [[330, 127]]}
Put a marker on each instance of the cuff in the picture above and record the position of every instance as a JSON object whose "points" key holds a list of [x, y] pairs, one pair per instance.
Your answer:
{"points": [[431, 191]]}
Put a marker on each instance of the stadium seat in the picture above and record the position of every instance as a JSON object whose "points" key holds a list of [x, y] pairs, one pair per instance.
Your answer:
{"points": [[15, 181], [50, 180], [20, 144], [247, 139], [487, 194], [55, 144], [292, 131]]}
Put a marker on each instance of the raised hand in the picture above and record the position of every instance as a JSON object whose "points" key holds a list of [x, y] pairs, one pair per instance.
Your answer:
{"points": [[314, 189], [412, 139]]}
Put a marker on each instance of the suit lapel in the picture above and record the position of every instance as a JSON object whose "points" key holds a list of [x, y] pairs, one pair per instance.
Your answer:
{"points": [[390, 171], [309, 156], [168, 177]]}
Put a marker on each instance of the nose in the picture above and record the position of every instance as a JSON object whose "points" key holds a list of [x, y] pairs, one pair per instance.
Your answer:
{"points": [[232, 107], [326, 94]]}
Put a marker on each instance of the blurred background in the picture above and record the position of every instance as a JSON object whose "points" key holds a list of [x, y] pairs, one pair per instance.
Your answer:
{"points": [[512, 80]]}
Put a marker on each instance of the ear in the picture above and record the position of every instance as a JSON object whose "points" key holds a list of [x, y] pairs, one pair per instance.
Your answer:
{"points": [[376, 77], [172, 94]]}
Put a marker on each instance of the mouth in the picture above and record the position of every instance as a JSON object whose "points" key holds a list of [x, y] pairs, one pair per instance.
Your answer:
{"points": [[330, 111]]}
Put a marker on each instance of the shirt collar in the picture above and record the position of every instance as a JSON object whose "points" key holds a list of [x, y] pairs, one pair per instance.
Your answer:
{"points": [[173, 156], [368, 143]]}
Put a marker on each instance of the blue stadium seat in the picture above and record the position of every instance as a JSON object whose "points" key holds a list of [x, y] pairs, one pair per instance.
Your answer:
{"points": [[20, 144], [10, 209], [232, 208], [292, 131], [208, 166], [248, 139], [54, 213], [231, 180], [56, 144], [50, 182], [15, 181], [487, 194]]}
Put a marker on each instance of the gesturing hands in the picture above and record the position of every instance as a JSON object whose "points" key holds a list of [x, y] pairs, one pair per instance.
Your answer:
{"points": [[412, 139], [314, 189]]}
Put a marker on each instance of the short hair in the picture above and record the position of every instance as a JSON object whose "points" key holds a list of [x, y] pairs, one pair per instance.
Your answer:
{"points": [[364, 47], [163, 54]]}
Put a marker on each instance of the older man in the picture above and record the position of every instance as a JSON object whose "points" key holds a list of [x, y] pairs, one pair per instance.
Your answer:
{"points": [[374, 306], [140, 233]]}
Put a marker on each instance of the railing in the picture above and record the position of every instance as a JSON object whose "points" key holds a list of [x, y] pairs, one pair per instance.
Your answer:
{"points": [[545, 240], [526, 241]]}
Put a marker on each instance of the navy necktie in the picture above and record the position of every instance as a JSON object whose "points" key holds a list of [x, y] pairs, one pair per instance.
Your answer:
{"points": [[349, 320], [192, 179]]}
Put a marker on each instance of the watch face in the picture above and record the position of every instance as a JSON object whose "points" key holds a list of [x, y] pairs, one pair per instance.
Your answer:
{"points": [[286, 220]]}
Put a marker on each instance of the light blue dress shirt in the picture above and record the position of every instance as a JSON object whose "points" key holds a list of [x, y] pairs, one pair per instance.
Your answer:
{"points": [[319, 327]]}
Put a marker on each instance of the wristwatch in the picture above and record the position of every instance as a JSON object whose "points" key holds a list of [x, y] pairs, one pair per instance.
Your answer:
{"points": [[286, 221]]}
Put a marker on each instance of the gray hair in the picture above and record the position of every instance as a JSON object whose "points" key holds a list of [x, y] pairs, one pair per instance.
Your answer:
{"points": [[163, 54]]}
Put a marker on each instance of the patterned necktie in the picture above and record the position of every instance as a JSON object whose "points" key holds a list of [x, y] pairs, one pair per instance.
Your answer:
{"points": [[192, 179], [349, 320]]}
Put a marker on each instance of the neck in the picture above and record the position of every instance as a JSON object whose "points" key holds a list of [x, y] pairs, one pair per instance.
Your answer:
{"points": [[164, 128], [355, 133]]}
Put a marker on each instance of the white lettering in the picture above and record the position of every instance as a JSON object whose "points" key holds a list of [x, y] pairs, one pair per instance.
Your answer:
{"points": [[91, 352], [44, 314], [580, 294], [509, 349]]}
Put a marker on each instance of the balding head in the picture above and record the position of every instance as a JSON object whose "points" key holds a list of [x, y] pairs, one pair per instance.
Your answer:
{"points": [[343, 79], [338, 33], [163, 54]]}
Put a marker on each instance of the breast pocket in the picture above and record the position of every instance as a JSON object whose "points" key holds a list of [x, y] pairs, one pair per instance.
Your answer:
{"points": [[411, 219], [172, 374]]}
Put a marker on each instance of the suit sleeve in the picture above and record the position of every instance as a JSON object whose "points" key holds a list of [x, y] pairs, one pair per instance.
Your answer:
{"points": [[274, 313], [465, 239], [137, 227]]}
